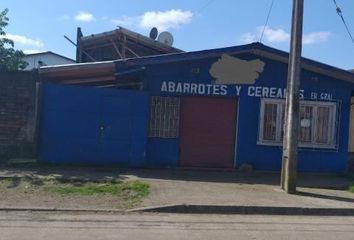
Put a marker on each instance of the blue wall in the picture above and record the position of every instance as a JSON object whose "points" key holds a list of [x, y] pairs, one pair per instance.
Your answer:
{"points": [[164, 152], [70, 126], [310, 159]]}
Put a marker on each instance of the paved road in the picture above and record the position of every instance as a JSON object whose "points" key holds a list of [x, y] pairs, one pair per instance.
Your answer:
{"points": [[97, 226]]}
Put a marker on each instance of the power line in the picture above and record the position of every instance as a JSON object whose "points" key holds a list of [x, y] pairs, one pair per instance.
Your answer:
{"points": [[266, 23], [340, 14], [206, 4]]}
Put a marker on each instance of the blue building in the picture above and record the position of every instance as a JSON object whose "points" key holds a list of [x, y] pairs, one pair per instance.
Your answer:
{"points": [[216, 108]]}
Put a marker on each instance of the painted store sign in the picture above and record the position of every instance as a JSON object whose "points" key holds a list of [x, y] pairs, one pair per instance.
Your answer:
{"points": [[229, 73], [236, 90]]}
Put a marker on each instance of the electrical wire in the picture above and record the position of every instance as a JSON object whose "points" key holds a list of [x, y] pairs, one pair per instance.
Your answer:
{"points": [[206, 4], [340, 14], [266, 23]]}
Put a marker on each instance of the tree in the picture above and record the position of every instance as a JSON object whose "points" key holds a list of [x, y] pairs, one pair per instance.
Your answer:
{"points": [[10, 59]]}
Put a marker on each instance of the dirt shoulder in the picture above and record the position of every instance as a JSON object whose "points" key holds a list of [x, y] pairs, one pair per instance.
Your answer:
{"points": [[26, 192], [173, 187]]}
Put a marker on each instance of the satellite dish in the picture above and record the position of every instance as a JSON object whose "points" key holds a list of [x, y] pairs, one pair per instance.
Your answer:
{"points": [[166, 38], [153, 33]]}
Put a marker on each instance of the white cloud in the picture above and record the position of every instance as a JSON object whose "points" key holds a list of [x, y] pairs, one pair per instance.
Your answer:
{"points": [[248, 38], [273, 35], [279, 35], [315, 37], [83, 16], [165, 20], [18, 39], [31, 51], [125, 21]]}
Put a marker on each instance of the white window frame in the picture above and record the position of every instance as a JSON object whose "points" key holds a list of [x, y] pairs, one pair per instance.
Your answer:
{"points": [[332, 124], [277, 140]]}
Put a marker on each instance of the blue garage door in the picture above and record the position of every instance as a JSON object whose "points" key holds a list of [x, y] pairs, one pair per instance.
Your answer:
{"points": [[83, 125]]}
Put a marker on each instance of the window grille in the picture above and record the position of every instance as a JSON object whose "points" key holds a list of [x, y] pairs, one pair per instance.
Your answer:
{"points": [[164, 117], [270, 121], [317, 123], [306, 123]]}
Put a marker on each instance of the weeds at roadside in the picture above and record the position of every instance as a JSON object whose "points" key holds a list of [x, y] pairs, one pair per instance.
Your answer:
{"points": [[350, 176], [128, 193], [351, 188], [129, 190]]}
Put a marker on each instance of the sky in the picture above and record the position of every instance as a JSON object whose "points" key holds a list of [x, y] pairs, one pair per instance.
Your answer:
{"points": [[39, 25]]}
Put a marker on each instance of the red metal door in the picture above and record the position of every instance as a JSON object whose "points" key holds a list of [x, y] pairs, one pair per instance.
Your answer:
{"points": [[207, 132]]}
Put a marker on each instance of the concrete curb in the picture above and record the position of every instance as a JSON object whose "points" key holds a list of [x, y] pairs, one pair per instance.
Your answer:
{"points": [[34, 209], [247, 210], [203, 209]]}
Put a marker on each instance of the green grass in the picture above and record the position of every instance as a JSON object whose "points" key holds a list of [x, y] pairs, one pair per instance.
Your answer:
{"points": [[351, 188], [128, 190], [126, 193], [6, 181], [350, 176]]}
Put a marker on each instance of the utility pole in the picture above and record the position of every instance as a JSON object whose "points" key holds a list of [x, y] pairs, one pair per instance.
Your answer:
{"points": [[292, 109]]}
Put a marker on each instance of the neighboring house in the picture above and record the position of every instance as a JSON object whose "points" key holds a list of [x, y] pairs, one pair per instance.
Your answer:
{"points": [[120, 43], [217, 108], [37, 60]]}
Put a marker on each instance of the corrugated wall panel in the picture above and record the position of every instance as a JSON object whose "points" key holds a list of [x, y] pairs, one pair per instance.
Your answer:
{"points": [[93, 126]]}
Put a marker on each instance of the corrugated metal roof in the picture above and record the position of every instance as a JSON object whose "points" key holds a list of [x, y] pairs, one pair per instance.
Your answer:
{"points": [[49, 52], [253, 48], [97, 72]]}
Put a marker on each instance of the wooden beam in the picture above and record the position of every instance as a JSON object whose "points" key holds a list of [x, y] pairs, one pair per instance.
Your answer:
{"points": [[88, 55], [78, 70], [128, 84], [116, 48], [78, 45], [106, 86], [124, 45], [87, 80], [132, 52]]}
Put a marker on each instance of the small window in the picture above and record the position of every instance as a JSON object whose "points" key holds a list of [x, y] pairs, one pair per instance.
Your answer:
{"points": [[272, 117], [317, 125], [164, 117]]}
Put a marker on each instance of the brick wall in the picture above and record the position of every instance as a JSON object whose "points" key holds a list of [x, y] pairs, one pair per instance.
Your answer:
{"points": [[17, 114]]}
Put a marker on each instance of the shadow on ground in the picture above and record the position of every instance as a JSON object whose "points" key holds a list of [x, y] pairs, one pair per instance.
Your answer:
{"points": [[89, 173], [325, 196]]}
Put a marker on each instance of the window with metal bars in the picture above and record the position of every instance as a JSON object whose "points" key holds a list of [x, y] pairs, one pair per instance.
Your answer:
{"points": [[317, 123], [164, 117]]}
